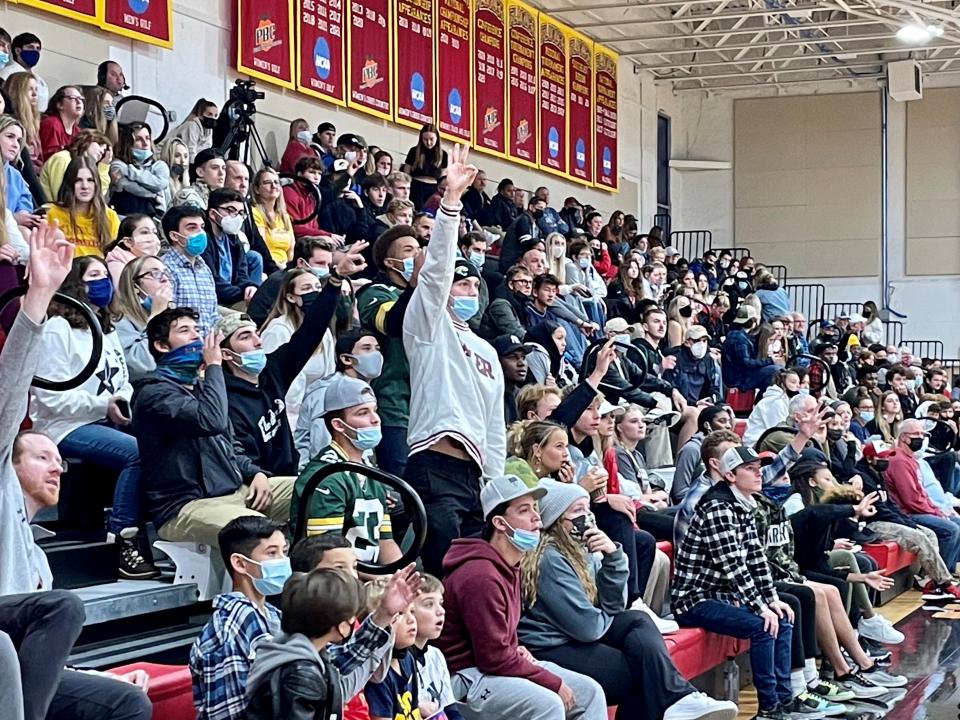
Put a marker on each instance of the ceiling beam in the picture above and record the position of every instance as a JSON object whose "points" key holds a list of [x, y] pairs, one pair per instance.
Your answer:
{"points": [[776, 43], [732, 15], [823, 67], [755, 86], [799, 27]]}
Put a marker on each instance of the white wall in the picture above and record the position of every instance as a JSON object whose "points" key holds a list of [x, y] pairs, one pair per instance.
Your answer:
{"points": [[200, 64]]}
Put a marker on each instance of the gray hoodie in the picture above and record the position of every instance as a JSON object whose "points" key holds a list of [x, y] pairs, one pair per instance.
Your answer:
{"points": [[23, 565], [282, 650]]}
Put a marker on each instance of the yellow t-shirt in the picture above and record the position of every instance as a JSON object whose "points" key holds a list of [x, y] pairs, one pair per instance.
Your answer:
{"points": [[51, 176], [83, 236], [278, 237]]}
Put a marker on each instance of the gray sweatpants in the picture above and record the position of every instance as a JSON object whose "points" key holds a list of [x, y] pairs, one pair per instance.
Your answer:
{"points": [[482, 697], [921, 541], [11, 689]]}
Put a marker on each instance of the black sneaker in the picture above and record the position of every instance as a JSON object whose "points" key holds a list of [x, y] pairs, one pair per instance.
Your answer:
{"points": [[133, 566], [774, 713], [875, 650]]}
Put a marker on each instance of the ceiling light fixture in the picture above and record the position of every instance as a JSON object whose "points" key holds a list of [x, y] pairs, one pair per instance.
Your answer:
{"points": [[915, 34]]}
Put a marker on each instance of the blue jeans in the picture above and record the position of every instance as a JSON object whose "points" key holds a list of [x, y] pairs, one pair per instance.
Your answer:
{"points": [[393, 451], [254, 264], [105, 446], [948, 536], [769, 656]]}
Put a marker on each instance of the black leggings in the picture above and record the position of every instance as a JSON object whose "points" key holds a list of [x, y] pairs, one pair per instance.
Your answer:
{"points": [[638, 545], [658, 523], [803, 602], [632, 665]]}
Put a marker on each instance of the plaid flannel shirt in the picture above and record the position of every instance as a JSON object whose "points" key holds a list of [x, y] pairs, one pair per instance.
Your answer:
{"points": [[193, 287], [222, 655], [722, 557]]}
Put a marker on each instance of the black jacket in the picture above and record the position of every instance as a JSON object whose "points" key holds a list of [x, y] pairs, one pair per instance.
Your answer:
{"points": [[692, 377], [524, 224], [652, 382], [475, 203], [887, 510], [500, 211], [295, 691], [814, 529], [231, 292], [614, 385], [265, 297], [186, 434], [258, 412]]}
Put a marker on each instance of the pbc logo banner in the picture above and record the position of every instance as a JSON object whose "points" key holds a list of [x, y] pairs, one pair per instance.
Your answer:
{"points": [[266, 36]]}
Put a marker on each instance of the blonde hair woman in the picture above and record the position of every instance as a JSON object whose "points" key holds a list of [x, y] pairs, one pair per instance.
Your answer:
{"points": [[679, 319], [145, 290], [271, 217], [24, 94], [886, 422], [177, 157]]}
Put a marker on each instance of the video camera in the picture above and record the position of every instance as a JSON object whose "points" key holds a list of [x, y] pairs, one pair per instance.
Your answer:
{"points": [[244, 96]]}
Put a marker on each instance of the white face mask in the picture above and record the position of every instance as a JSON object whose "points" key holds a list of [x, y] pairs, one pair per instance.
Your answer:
{"points": [[231, 224], [557, 251], [699, 350]]}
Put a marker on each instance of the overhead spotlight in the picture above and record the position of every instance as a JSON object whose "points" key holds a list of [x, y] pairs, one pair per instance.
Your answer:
{"points": [[914, 34], [935, 30]]}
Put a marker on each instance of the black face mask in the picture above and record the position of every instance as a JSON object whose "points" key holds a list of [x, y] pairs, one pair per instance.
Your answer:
{"points": [[916, 444], [208, 123], [791, 393], [308, 299], [686, 311], [834, 435], [537, 214], [882, 465]]}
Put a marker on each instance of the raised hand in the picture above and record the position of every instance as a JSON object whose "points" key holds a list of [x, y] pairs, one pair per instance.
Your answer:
{"points": [[460, 175], [51, 257], [401, 591], [351, 261]]}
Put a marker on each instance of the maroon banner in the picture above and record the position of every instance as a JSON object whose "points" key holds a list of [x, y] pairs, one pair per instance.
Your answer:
{"points": [[580, 108], [320, 64], [553, 96], [454, 53], [369, 58], [265, 40], [605, 98], [522, 88], [489, 89], [82, 10], [413, 69], [145, 20]]}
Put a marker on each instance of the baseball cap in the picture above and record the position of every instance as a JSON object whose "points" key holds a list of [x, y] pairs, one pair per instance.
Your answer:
{"points": [[504, 489], [325, 126], [349, 139], [876, 447], [229, 323], [667, 418], [746, 313], [696, 332], [607, 407], [740, 455], [509, 344], [205, 156], [618, 325], [344, 392], [857, 318], [671, 251]]}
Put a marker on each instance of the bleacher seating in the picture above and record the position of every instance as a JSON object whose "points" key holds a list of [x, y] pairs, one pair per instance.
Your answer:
{"points": [[170, 690]]}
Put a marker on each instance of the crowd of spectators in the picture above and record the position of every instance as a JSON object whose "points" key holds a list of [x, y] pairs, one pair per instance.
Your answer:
{"points": [[549, 380]]}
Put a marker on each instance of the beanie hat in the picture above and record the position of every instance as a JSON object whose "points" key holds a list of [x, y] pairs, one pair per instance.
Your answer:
{"points": [[559, 497], [464, 269]]}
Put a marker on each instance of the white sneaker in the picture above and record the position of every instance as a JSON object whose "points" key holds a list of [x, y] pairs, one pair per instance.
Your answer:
{"points": [[697, 706], [665, 626], [878, 629]]}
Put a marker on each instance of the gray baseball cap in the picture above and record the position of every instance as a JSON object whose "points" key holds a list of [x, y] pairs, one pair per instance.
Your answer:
{"points": [[344, 392], [504, 489]]}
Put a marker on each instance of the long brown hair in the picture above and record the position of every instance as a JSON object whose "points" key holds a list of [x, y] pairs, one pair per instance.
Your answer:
{"points": [[424, 156], [93, 113], [75, 286], [129, 297], [283, 307], [17, 87], [98, 208], [632, 287], [128, 134], [571, 550]]}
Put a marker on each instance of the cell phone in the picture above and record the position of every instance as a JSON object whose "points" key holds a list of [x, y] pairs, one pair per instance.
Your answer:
{"points": [[124, 407]]}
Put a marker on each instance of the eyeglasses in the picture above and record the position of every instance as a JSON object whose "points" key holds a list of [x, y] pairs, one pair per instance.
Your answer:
{"points": [[157, 275], [75, 98], [523, 281], [232, 211]]}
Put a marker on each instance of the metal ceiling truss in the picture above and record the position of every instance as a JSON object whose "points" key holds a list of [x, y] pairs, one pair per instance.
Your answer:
{"points": [[705, 45]]}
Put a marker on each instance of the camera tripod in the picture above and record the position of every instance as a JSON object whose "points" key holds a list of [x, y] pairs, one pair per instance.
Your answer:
{"points": [[242, 139]]}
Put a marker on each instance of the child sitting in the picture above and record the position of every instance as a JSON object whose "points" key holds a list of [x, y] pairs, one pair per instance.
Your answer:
{"points": [[395, 697], [433, 678]]}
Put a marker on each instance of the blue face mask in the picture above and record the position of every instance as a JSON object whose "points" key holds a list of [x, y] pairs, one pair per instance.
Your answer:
{"points": [[322, 273], [367, 438], [275, 575], [141, 154], [524, 540], [183, 364], [466, 307], [804, 391], [196, 244], [4, 58], [478, 259], [253, 361], [30, 57], [867, 416], [100, 291], [147, 303], [407, 271]]}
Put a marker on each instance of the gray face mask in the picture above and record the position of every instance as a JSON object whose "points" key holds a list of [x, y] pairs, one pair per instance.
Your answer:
{"points": [[370, 364]]}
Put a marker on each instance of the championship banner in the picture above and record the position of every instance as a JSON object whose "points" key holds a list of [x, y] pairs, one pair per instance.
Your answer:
{"points": [[580, 107], [150, 21], [454, 55], [368, 58], [553, 96], [83, 10], [413, 69], [489, 77], [265, 40], [522, 88], [605, 61], [320, 71]]}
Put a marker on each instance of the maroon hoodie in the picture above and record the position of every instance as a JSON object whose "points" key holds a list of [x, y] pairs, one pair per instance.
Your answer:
{"points": [[481, 596]]}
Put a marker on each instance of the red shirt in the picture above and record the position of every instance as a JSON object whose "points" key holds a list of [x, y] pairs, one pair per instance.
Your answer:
{"points": [[300, 204], [54, 136], [293, 152], [905, 486]]}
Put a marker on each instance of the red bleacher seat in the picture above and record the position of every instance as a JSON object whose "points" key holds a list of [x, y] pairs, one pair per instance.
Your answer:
{"points": [[695, 651], [740, 427], [171, 690], [741, 401], [890, 556]]}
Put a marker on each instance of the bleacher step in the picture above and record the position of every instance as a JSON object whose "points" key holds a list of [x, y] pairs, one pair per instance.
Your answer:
{"points": [[130, 598], [160, 645], [81, 562]]}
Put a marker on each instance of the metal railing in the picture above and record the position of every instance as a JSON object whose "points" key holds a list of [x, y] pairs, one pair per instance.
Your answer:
{"points": [[779, 272], [806, 298], [831, 311], [691, 243], [663, 220], [924, 348], [894, 330], [737, 252]]}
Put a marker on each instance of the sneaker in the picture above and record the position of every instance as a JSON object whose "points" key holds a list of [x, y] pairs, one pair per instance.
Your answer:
{"points": [[133, 566], [952, 590], [821, 704], [876, 628], [882, 678], [698, 706], [830, 691], [860, 686], [664, 625], [931, 592], [800, 710], [775, 713]]}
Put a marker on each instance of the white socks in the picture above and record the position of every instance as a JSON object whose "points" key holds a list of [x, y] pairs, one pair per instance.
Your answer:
{"points": [[797, 683], [810, 673]]}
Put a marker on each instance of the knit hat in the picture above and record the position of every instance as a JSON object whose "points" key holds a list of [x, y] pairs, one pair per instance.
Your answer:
{"points": [[464, 269], [559, 497]]}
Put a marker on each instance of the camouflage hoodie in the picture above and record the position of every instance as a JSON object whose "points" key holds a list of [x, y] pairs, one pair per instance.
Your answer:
{"points": [[776, 534]]}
